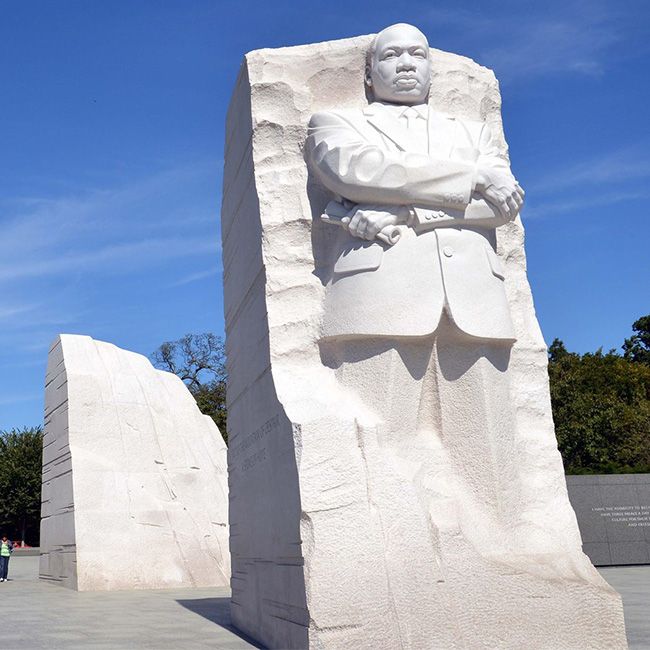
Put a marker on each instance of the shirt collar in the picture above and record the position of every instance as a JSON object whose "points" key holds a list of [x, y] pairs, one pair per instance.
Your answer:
{"points": [[421, 109], [397, 109]]}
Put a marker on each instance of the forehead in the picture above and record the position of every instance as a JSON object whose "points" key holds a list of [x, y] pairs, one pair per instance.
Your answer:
{"points": [[402, 37]]}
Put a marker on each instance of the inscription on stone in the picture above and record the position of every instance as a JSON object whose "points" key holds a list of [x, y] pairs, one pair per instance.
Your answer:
{"points": [[614, 517], [631, 515], [253, 439]]}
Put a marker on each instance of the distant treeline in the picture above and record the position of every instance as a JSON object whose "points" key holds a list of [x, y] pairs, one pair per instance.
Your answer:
{"points": [[601, 405], [21, 451], [601, 408]]}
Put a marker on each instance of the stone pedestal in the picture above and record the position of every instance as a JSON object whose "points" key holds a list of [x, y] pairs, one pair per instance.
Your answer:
{"points": [[337, 540], [134, 476]]}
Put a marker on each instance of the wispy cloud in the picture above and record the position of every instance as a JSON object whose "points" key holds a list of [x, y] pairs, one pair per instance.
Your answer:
{"points": [[195, 277], [523, 41], [6, 400], [573, 205], [8, 313], [114, 258], [144, 222], [609, 178], [628, 164]]}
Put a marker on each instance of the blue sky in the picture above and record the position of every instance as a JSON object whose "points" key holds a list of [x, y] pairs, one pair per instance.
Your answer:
{"points": [[112, 134]]}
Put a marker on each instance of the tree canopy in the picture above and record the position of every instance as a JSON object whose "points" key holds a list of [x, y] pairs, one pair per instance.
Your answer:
{"points": [[20, 484], [601, 405], [637, 347], [200, 361]]}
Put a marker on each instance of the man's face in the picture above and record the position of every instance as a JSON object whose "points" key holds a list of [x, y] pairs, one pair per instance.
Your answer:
{"points": [[400, 71]]}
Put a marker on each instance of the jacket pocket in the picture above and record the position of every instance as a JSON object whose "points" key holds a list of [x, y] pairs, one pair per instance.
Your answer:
{"points": [[359, 256], [495, 263]]}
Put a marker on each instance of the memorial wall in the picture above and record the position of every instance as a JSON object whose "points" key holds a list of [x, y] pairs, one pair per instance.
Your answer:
{"points": [[613, 513]]}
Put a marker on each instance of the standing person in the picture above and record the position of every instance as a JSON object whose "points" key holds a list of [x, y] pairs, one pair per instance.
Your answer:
{"points": [[6, 549]]}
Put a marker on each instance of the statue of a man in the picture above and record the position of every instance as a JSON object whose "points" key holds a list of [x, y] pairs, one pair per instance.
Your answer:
{"points": [[400, 162], [416, 320]]}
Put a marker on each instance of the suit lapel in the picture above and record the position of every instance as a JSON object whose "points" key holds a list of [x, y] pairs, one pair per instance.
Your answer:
{"points": [[389, 126], [442, 130]]}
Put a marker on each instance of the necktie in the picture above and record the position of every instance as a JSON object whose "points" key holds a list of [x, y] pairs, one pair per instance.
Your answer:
{"points": [[411, 116]]}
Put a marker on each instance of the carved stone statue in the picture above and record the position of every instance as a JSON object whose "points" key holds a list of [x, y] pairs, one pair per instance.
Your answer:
{"points": [[394, 476], [399, 163], [416, 320]]}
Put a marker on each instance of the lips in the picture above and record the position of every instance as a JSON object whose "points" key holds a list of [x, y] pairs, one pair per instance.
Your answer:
{"points": [[406, 81]]}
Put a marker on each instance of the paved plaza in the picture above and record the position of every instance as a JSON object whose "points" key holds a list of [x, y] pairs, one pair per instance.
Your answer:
{"points": [[38, 615]]}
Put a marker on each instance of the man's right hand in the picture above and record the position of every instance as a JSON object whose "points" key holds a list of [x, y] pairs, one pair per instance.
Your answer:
{"points": [[366, 221], [500, 188]]}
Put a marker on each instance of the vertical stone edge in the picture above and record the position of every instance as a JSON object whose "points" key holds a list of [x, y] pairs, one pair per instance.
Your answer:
{"points": [[58, 557], [268, 585]]}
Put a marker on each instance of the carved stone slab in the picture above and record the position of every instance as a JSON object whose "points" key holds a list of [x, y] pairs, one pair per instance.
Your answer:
{"points": [[328, 548], [613, 512], [134, 476]]}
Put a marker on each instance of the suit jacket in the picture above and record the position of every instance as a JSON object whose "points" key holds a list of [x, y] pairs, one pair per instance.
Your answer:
{"points": [[444, 258]]}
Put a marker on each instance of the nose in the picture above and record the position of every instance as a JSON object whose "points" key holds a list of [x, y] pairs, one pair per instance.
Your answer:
{"points": [[405, 62]]}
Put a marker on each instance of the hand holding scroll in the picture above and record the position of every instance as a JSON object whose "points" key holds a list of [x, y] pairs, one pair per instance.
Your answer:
{"points": [[368, 221]]}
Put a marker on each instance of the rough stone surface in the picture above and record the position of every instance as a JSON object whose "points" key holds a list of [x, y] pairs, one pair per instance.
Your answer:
{"points": [[329, 548], [134, 476]]}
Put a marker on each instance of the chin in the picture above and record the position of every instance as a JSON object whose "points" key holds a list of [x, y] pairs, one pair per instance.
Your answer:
{"points": [[411, 97]]}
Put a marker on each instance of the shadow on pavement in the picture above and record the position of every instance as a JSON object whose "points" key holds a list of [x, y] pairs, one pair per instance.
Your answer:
{"points": [[216, 610]]}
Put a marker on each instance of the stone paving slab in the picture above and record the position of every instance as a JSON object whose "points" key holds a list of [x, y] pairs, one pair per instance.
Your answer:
{"points": [[37, 615], [633, 583]]}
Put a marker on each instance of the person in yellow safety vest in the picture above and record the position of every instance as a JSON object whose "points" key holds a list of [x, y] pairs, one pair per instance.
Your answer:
{"points": [[6, 549]]}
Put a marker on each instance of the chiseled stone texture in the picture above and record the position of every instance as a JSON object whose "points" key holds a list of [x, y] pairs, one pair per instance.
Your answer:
{"points": [[134, 476], [324, 554]]}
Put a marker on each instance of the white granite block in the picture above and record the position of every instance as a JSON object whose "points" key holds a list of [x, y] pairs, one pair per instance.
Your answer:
{"points": [[134, 476], [348, 529]]}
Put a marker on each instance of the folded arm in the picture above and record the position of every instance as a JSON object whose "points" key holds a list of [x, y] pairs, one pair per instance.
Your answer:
{"points": [[496, 200], [415, 189], [348, 165]]}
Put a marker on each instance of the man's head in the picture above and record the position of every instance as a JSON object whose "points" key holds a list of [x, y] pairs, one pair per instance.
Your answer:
{"points": [[398, 69]]}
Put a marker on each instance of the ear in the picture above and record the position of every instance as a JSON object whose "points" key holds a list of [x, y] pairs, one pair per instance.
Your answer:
{"points": [[367, 77]]}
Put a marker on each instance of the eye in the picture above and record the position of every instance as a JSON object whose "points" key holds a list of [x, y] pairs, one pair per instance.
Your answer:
{"points": [[420, 54], [389, 54]]}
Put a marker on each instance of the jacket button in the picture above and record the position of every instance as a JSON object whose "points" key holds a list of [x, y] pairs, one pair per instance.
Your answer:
{"points": [[428, 216], [448, 251]]}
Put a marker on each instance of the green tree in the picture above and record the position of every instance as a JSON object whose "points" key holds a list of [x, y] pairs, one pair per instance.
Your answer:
{"points": [[601, 408], [200, 361], [21, 454], [637, 347]]}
